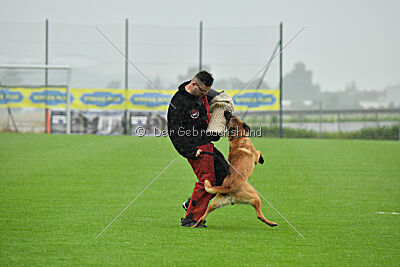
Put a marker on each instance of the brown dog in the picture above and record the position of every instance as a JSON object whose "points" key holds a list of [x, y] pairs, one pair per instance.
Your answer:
{"points": [[242, 157]]}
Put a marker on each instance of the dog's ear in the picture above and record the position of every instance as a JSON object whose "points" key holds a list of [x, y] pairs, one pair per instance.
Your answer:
{"points": [[261, 159], [246, 127]]}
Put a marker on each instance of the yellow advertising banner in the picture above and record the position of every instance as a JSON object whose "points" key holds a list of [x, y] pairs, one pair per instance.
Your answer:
{"points": [[98, 99], [33, 97], [131, 99], [150, 99], [255, 99]]}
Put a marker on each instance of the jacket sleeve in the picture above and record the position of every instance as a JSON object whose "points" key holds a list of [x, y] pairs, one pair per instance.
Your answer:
{"points": [[176, 130]]}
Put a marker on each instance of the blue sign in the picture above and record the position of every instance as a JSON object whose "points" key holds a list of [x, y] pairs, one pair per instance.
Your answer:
{"points": [[7, 96], [150, 99], [254, 100], [102, 99]]}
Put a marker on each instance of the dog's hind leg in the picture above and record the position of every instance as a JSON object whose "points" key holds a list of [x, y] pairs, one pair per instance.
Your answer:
{"points": [[216, 189], [257, 205], [219, 201], [250, 196]]}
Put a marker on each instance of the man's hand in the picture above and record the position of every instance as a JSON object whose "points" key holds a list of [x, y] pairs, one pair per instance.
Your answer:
{"points": [[198, 153]]}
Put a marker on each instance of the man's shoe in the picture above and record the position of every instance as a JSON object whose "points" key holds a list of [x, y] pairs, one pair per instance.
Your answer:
{"points": [[202, 225], [187, 222], [185, 205]]}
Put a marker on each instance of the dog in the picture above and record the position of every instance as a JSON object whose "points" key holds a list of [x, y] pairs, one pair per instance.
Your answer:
{"points": [[243, 157]]}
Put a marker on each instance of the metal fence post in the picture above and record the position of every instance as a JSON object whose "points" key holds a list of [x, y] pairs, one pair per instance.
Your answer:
{"points": [[46, 76], [320, 119], [301, 118], [126, 130], [68, 102], [280, 81], [46, 52]]}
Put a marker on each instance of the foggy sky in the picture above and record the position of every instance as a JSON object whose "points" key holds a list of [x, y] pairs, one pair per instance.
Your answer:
{"points": [[343, 40]]}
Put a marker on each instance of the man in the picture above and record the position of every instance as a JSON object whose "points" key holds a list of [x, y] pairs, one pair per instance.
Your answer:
{"points": [[188, 118]]}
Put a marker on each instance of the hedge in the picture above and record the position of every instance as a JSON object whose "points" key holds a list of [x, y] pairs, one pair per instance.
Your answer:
{"points": [[377, 133]]}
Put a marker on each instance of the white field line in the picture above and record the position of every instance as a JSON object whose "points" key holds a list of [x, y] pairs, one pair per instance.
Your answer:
{"points": [[388, 212]]}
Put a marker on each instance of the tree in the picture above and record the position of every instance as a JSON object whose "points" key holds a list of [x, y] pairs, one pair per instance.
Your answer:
{"points": [[114, 84], [157, 83], [191, 72], [393, 95], [222, 84], [351, 88], [298, 85], [235, 83]]}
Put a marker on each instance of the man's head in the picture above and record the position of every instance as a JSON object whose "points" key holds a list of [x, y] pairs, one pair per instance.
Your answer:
{"points": [[236, 127], [200, 84]]}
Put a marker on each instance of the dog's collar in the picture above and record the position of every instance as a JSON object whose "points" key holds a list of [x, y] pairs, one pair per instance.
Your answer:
{"points": [[237, 137]]}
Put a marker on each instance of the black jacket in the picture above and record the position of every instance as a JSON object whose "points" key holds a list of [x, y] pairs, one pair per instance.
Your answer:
{"points": [[187, 122]]}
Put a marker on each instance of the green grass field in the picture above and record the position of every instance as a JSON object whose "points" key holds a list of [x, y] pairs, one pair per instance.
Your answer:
{"points": [[58, 192]]}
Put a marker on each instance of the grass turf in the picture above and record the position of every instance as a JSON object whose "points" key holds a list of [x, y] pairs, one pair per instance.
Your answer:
{"points": [[58, 192]]}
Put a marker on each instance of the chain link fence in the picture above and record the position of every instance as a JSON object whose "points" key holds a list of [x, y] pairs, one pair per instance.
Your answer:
{"points": [[163, 55]]}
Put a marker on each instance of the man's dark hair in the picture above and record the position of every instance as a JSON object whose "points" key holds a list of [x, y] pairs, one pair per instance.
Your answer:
{"points": [[205, 77]]}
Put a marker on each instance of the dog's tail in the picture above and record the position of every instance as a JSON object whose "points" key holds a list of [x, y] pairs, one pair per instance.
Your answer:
{"points": [[216, 189]]}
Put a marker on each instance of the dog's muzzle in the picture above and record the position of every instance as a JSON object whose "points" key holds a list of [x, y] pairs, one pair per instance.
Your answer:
{"points": [[227, 115]]}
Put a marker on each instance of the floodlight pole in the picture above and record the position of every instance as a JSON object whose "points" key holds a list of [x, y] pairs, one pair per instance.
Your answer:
{"points": [[201, 47], [280, 81]]}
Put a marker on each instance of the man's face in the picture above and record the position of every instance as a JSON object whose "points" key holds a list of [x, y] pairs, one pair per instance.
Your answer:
{"points": [[199, 89]]}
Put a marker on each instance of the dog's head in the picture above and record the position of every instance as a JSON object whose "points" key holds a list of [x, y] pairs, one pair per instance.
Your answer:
{"points": [[236, 128]]}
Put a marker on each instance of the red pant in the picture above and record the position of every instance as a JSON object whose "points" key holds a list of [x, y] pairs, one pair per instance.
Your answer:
{"points": [[203, 167]]}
